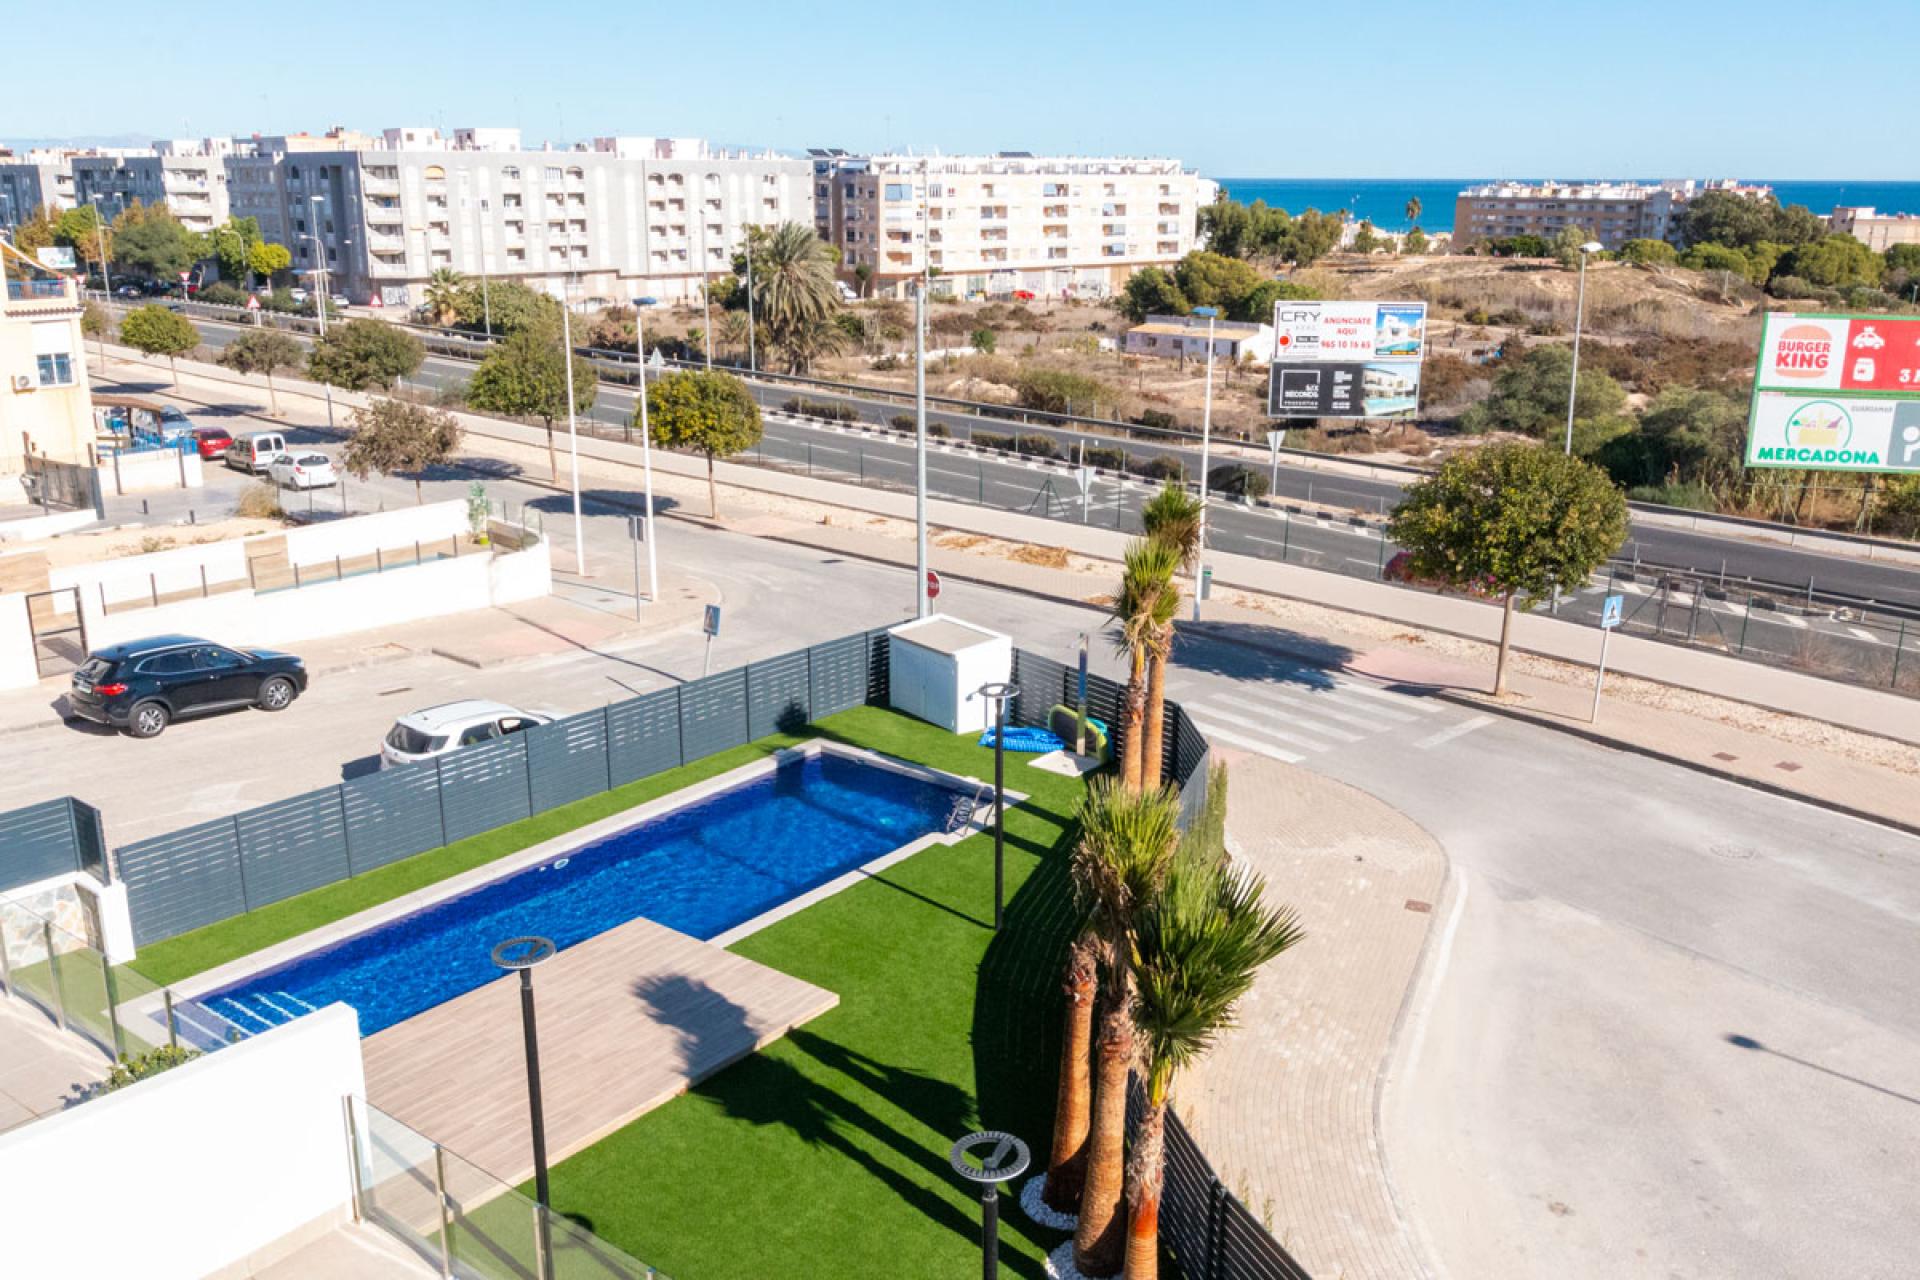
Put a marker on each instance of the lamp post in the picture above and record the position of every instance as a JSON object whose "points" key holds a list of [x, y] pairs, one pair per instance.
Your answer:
{"points": [[1002, 1158], [753, 363], [706, 294], [923, 603], [646, 450], [520, 955], [320, 285], [999, 694], [100, 237], [1206, 443], [1579, 310], [573, 426]]}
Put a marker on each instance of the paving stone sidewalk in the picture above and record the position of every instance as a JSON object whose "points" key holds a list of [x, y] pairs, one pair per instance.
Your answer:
{"points": [[1284, 1106]]}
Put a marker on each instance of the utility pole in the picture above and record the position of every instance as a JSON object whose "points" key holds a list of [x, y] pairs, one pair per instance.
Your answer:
{"points": [[646, 451], [1206, 442], [573, 425], [706, 294], [923, 605], [1579, 311], [753, 365], [320, 285]]}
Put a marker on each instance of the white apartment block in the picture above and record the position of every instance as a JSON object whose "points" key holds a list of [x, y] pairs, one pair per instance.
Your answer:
{"points": [[1052, 226], [623, 218], [188, 176], [1878, 231], [1612, 212]]}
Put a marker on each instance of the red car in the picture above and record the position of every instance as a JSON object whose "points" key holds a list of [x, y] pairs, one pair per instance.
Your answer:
{"points": [[213, 442], [1023, 295]]}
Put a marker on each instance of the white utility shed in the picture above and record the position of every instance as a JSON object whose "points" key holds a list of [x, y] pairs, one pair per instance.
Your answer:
{"points": [[936, 667]]}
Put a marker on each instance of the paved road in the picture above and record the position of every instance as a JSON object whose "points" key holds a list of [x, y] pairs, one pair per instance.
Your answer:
{"points": [[1704, 554], [1566, 1101]]}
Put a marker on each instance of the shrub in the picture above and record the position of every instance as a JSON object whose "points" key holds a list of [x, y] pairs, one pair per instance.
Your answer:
{"points": [[938, 431], [1058, 391], [221, 294], [138, 1067], [886, 364], [1105, 458], [819, 409], [1163, 466], [992, 440], [260, 502], [1237, 480], [983, 340], [1036, 445], [903, 422], [1158, 419], [1694, 497]]}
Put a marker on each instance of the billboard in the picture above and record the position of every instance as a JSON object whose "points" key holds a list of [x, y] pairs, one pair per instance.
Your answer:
{"points": [[55, 257], [1346, 359], [1836, 393]]}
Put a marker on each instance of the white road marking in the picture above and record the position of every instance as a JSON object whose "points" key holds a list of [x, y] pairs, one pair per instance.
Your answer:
{"points": [[1372, 718], [1401, 700], [1448, 735], [1262, 748], [1442, 958], [1864, 634], [1260, 727]]}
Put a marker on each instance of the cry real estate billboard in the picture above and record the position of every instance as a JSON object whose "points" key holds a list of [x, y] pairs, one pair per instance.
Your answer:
{"points": [[1346, 359], [1836, 393]]}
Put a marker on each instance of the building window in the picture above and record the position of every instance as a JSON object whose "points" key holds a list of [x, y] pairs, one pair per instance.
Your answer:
{"points": [[899, 191], [511, 173], [56, 370], [553, 173], [434, 173]]}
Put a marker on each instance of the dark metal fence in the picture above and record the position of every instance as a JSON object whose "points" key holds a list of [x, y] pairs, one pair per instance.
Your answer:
{"points": [[50, 839], [209, 872]]}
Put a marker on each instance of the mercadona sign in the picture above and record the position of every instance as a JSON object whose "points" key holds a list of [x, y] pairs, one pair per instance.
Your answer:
{"points": [[1836, 393]]}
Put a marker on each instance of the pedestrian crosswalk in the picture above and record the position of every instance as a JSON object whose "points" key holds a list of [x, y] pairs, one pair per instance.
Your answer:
{"points": [[1306, 712]]}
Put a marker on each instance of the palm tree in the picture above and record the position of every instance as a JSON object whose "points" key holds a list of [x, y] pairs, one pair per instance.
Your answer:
{"points": [[733, 330], [1413, 209], [1067, 1163], [445, 288], [1196, 949], [1146, 605], [1172, 516], [792, 285], [808, 340], [1127, 843]]}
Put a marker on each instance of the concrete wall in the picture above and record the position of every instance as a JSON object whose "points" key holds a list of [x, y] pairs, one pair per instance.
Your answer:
{"points": [[150, 470], [17, 666], [33, 528], [203, 1167], [360, 535], [474, 580]]}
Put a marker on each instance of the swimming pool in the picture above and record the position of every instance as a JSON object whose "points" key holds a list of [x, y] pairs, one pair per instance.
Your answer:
{"points": [[702, 869]]}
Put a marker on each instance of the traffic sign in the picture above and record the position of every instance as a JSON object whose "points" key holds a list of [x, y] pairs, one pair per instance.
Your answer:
{"points": [[1275, 439], [253, 302], [1083, 476], [1612, 611], [637, 530], [185, 276], [712, 624], [933, 585]]}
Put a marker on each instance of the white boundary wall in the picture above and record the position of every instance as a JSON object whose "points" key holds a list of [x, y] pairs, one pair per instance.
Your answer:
{"points": [[237, 1156]]}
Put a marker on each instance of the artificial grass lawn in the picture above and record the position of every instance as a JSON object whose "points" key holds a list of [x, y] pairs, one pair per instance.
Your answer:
{"points": [[183, 956], [826, 1153]]}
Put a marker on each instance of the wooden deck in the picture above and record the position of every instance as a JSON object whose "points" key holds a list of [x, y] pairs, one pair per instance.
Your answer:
{"points": [[627, 1020]]}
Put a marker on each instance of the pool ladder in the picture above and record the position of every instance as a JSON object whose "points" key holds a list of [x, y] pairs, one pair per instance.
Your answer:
{"points": [[964, 807]]}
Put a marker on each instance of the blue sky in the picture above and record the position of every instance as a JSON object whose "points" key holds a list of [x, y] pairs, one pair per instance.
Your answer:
{"points": [[1686, 87]]}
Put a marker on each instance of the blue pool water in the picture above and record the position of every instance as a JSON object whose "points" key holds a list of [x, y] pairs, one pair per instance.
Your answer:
{"points": [[700, 869]]}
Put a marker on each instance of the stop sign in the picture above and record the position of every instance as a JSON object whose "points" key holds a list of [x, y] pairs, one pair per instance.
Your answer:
{"points": [[933, 585]]}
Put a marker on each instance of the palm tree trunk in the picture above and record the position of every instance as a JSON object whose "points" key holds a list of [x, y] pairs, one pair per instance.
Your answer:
{"points": [[1156, 715], [1136, 709], [1099, 1244], [1506, 636], [553, 459], [1143, 1192], [713, 494], [1067, 1166]]}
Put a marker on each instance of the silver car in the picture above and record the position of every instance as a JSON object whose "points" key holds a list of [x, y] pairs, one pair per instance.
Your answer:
{"points": [[435, 731]]}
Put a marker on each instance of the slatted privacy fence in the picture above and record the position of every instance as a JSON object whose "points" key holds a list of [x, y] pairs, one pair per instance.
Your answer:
{"points": [[52, 838]]}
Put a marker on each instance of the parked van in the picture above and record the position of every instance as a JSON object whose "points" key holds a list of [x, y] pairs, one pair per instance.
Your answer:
{"points": [[252, 453]]}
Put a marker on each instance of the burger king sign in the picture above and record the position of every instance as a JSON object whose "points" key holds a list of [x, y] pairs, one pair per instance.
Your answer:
{"points": [[1803, 352]]}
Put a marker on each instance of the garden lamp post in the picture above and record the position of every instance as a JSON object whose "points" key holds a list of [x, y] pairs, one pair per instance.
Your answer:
{"points": [[999, 694], [1206, 442], [520, 955], [1002, 1158], [1587, 250]]}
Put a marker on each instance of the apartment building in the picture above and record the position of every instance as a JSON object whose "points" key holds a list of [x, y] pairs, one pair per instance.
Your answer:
{"points": [[1612, 212], [46, 408], [1878, 231], [189, 176], [617, 219], [1001, 224], [33, 179]]}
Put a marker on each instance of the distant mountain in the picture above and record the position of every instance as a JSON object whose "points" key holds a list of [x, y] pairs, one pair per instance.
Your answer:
{"points": [[85, 140]]}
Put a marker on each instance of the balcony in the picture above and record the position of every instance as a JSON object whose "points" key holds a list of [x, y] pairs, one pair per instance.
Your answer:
{"points": [[380, 186]]}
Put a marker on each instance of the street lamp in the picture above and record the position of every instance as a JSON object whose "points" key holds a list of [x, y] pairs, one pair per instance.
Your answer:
{"points": [[1588, 249], [320, 303], [753, 363], [646, 449], [923, 603], [520, 955], [573, 426], [706, 293], [1206, 443], [999, 694]]}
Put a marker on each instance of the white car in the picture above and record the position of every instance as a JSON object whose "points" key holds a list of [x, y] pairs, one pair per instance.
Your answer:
{"points": [[302, 470], [450, 726]]}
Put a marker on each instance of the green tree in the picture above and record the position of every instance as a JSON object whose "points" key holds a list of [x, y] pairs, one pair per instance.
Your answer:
{"points": [[38, 230], [1414, 242], [156, 331], [1226, 228], [396, 438], [1647, 253], [1257, 303], [733, 333], [1565, 246], [1143, 608], [1150, 291], [1696, 436], [1171, 518], [983, 340], [1711, 256], [1213, 280], [525, 376], [267, 260], [232, 244], [1310, 237], [152, 241], [1510, 519], [1837, 262], [444, 291], [362, 354], [82, 229], [1903, 257], [1726, 218], [1530, 395], [512, 305], [95, 321], [1364, 239], [1127, 841], [793, 290], [710, 413], [1199, 942], [802, 342], [863, 279], [262, 351]]}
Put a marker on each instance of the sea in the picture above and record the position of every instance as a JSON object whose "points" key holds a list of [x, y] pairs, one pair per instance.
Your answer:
{"points": [[1384, 200]]}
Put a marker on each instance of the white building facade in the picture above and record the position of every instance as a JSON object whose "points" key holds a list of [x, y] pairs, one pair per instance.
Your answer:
{"points": [[1000, 225]]}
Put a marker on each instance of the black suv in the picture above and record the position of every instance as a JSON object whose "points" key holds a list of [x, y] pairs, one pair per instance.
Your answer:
{"points": [[143, 685]]}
